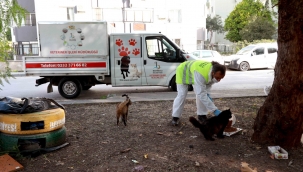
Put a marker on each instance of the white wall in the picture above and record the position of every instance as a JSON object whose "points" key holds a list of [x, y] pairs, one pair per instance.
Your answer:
{"points": [[193, 16], [55, 10], [224, 8]]}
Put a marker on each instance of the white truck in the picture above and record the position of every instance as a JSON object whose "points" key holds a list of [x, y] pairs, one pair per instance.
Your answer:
{"points": [[78, 55]]}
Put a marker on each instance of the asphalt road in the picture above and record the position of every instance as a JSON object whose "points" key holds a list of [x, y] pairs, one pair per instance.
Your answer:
{"points": [[235, 84]]}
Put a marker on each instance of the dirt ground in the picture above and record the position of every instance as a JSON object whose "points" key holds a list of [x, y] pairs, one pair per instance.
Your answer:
{"points": [[150, 143]]}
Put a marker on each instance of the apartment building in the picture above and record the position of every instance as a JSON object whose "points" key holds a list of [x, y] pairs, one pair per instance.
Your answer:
{"points": [[184, 22], [25, 37]]}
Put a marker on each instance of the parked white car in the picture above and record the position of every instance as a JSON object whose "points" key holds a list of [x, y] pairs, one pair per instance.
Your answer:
{"points": [[254, 56], [209, 55]]}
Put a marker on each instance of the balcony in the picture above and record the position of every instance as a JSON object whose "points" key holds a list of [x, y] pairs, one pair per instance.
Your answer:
{"points": [[25, 33], [131, 14], [139, 15]]}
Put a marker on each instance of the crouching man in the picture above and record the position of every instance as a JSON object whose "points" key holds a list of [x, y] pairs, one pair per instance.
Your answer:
{"points": [[202, 75]]}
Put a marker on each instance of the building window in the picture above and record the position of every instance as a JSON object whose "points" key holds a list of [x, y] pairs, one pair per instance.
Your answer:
{"points": [[70, 14], [97, 14], [112, 14], [30, 20], [174, 16], [200, 45], [178, 42], [139, 27], [133, 15]]}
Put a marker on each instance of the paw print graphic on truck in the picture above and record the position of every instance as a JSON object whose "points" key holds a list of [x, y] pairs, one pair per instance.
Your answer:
{"points": [[132, 42], [136, 51], [123, 51], [119, 42]]}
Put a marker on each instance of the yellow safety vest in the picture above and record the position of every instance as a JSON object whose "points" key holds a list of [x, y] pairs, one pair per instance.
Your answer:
{"points": [[185, 71]]}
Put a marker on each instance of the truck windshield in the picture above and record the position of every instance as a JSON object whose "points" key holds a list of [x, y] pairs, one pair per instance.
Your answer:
{"points": [[245, 50], [169, 43]]}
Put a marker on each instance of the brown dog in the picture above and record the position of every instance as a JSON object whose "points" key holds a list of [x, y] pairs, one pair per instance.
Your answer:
{"points": [[122, 109]]}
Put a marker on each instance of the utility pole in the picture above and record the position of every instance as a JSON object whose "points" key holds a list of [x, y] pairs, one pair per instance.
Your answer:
{"points": [[123, 14], [125, 5]]}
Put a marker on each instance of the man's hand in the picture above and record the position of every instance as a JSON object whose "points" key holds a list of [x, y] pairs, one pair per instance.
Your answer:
{"points": [[217, 112]]}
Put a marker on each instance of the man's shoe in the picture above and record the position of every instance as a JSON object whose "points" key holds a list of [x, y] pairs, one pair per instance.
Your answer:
{"points": [[175, 121], [202, 118]]}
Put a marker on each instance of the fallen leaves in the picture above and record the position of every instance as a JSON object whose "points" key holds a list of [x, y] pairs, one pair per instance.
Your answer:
{"points": [[164, 134], [197, 164], [125, 150], [245, 168]]}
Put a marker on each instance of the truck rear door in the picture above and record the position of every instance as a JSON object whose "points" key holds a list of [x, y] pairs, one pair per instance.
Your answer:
{"points": [[126, 53]]}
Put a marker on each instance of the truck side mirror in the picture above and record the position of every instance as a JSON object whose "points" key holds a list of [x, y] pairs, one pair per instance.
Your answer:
{"points": [[179, 54]]}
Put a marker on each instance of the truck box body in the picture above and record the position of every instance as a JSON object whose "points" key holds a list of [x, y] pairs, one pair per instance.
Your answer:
{"points": [[79, 48], [73, 39]]}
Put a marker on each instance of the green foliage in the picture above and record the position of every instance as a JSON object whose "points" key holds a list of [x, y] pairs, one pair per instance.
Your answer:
{"points": [[240, 16], [8, 35], [5, 49], [258, 28], [274, 2], [5, 74], [9, 11], [214, 25]]}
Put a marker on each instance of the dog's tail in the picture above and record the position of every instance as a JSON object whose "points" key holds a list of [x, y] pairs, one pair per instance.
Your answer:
{"points": [[195, 122], [127, 100]]}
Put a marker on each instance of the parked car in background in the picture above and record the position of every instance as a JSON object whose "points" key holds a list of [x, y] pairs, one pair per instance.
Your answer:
{"points": [[254, 56], [209, 55]]}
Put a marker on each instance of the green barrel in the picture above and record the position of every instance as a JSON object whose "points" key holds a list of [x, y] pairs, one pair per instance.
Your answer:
{"points": [[15, 143]]}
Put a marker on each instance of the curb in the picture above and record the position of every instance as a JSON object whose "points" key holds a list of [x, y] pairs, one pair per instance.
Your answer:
{"points": [[167, 96]]}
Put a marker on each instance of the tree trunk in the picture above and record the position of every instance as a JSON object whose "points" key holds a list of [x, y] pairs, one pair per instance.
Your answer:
{"points": [[280, 120], [211, 36]]}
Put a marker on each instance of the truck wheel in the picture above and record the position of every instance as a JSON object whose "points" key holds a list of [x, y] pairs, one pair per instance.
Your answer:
{"points": [[244, 66], [86, 87], [173, 84], [69, 88], [32, 123]]}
